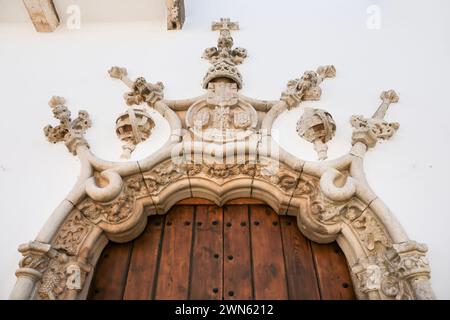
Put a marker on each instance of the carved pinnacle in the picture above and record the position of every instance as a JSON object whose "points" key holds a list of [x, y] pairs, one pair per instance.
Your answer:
{"points": [[224, 23], [69, 131], [387, 97]]}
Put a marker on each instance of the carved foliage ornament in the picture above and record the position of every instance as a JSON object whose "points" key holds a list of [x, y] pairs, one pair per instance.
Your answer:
{"points": [[175, 14], [223, 57], [59, 274], [222, 117], [120, 208], [400, 273]]}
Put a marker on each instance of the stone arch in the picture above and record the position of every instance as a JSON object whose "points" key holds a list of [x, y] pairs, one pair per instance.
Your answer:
{"points": [[383, 263]]}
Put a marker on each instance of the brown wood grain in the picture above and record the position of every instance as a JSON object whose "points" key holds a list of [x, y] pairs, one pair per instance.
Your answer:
{"points": [[300, 271], [173, 276], [332, 271], [206, 258], [111, 272], [269, 274], [237, 277], [144, 261]]}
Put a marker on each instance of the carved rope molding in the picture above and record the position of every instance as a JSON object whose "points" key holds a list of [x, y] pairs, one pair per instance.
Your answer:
{"points": [[331, 199]]}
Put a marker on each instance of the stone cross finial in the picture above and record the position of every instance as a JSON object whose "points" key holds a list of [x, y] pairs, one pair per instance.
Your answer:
{"points": [[224, 23]]}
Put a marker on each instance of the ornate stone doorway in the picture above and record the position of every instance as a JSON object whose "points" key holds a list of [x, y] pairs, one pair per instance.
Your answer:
{"points": [[242, 250], [221, 148]]}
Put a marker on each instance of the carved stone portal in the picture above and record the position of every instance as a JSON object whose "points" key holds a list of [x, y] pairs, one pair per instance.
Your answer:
{"points": [[220, 149]]}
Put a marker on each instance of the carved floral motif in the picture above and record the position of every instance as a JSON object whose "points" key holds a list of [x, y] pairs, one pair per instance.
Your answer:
{"points": [[53, 281], [72, 233], [175, 14], [370, 231]]}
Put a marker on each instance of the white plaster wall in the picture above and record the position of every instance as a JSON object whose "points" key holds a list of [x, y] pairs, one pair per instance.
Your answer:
{"points": [[410, 53]]}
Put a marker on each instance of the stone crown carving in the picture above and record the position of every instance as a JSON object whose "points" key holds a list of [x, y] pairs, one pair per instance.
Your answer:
{"points": [[135, 125], [175, 14]]}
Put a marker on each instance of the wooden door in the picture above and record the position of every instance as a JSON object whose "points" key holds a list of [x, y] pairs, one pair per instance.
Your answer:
{"points": [[242, 250]]}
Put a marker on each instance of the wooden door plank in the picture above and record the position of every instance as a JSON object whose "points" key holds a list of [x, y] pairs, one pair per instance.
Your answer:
{"points": [[332, 271], [111, 272], [237, 277], [144, 261], [174, 264], [207, 252], [267, 251], [300, 271]]}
